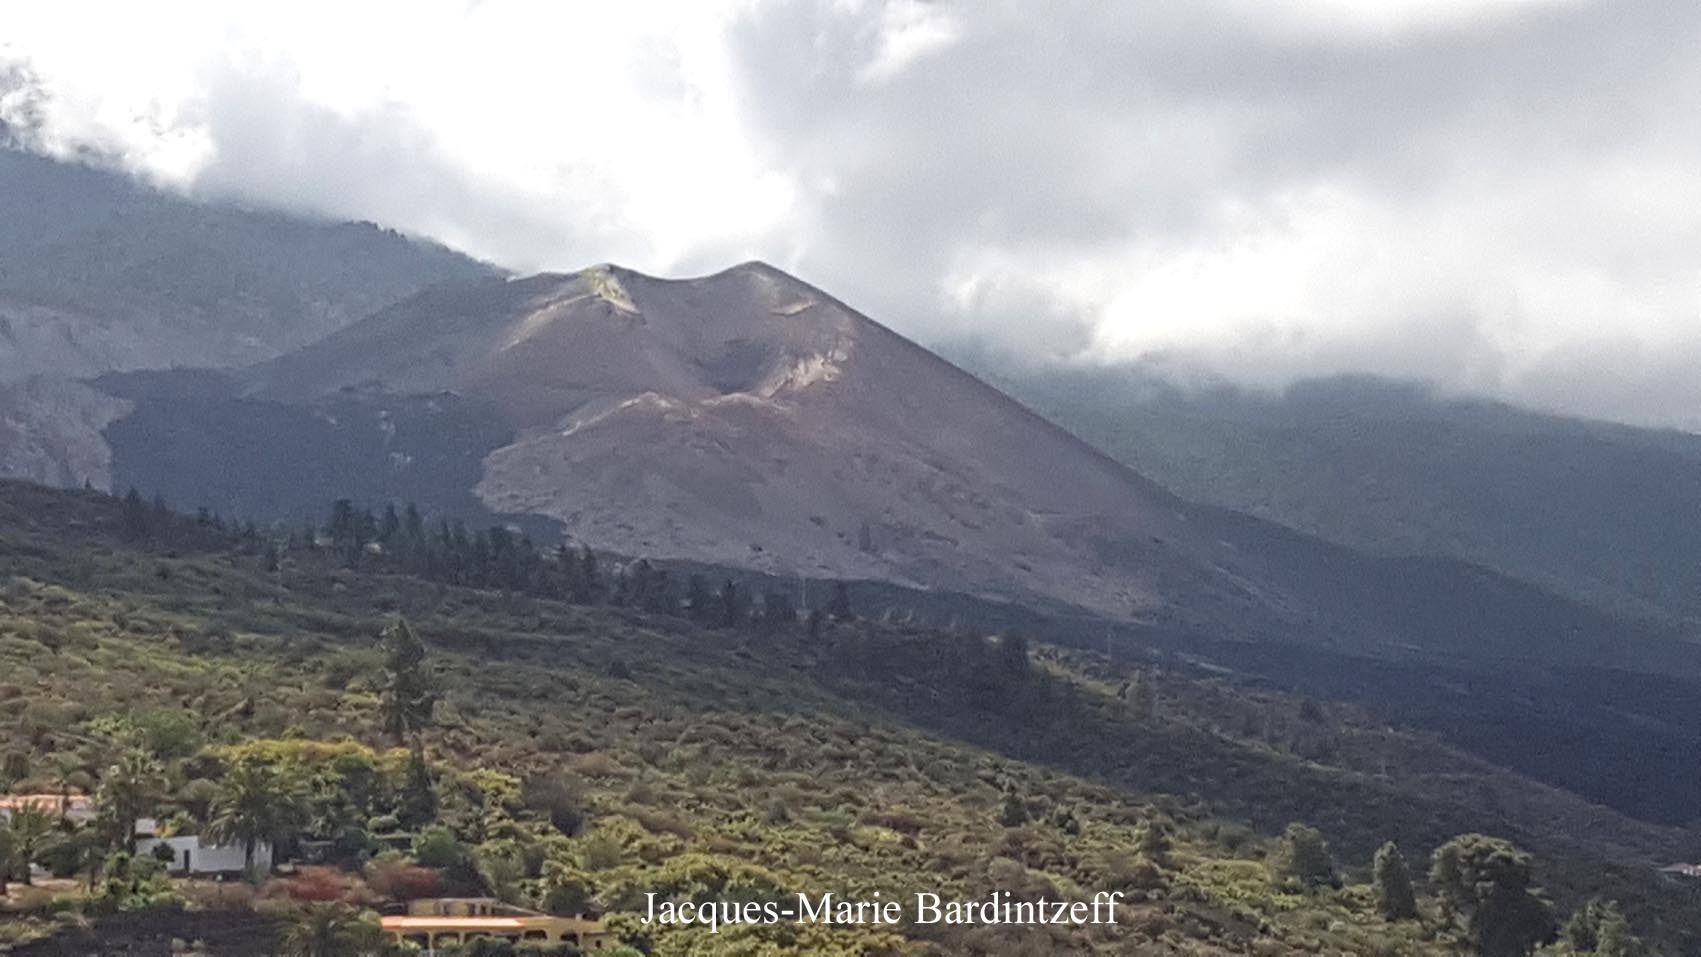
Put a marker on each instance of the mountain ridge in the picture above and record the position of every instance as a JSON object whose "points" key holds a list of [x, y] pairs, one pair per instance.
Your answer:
{"points": [[748, 419], [99, 272]]}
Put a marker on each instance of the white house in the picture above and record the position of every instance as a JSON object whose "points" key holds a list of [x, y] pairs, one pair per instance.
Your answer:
{"points": [[190, 856]]}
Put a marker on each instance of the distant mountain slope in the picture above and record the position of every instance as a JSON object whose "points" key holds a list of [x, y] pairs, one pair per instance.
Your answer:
{"points": [[1610, 514], [746, 423], [748, 419], [98, 272], [51, 432]]}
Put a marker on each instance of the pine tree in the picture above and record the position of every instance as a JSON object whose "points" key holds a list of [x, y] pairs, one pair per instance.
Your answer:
{"points": [[580, 575], [1014, 811], [1392, 882], [1302, 858], [645, 587], [365, 528], [839, 609], [342, 526], [408, 697], [503, 558], [1151, 839], [458, 554], [778, 612], [590, 580], [1490, 885], [413, 525], [566, 576], [1599, 928], [1142, 696], [417, 804], [133, 517], [1064, 820], [1615, 938], [698, 601], [1582, 930], [731, 602], [478, 562], [1013, 655]]}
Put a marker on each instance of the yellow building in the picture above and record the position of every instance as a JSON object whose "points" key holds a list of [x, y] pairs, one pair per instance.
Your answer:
{"points": [[452, 921], [76, 808]]}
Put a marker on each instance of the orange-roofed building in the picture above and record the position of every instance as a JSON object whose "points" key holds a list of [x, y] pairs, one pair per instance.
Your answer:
{"points": [[76, 808], [451, 922]]}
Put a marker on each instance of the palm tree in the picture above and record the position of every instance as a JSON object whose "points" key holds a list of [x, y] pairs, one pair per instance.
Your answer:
{"points": [[85, 852], [30, 826], [257, 803], [8, 857], [127, 792], [66, 771], [333, 930]]}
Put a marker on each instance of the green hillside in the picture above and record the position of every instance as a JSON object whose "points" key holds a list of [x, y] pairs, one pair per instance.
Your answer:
{"points": [[99, 272], [593, 752], [1606, 513]]}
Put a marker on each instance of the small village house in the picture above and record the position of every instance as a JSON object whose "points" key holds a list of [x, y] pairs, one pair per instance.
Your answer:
{"points": [[191, 855], [76, 808], [432, 925]]}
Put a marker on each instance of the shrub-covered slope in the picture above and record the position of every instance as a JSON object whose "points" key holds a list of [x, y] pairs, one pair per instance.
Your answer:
{"points": [[651, 753]]}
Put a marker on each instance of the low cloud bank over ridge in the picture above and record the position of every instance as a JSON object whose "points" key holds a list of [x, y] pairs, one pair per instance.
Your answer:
{"points": [[1495, 196]]}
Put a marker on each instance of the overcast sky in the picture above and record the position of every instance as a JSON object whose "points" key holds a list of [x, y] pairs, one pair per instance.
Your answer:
{"points": [[1501, 196]]}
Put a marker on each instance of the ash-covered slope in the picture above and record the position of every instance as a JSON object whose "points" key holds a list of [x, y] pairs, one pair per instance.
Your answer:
{"points": [[747, 418]]}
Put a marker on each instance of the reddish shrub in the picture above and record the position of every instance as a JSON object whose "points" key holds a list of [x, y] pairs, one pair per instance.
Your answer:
{"points": [[399, 879], [319, 885]]}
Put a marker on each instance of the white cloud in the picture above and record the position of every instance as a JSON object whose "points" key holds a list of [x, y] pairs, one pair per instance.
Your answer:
{"points": [[1387, 19], [612, 121], [909, 31], [1479, 192]]}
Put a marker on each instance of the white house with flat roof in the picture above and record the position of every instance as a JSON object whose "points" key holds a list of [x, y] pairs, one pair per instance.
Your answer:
{"points": [[190, 856]]}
